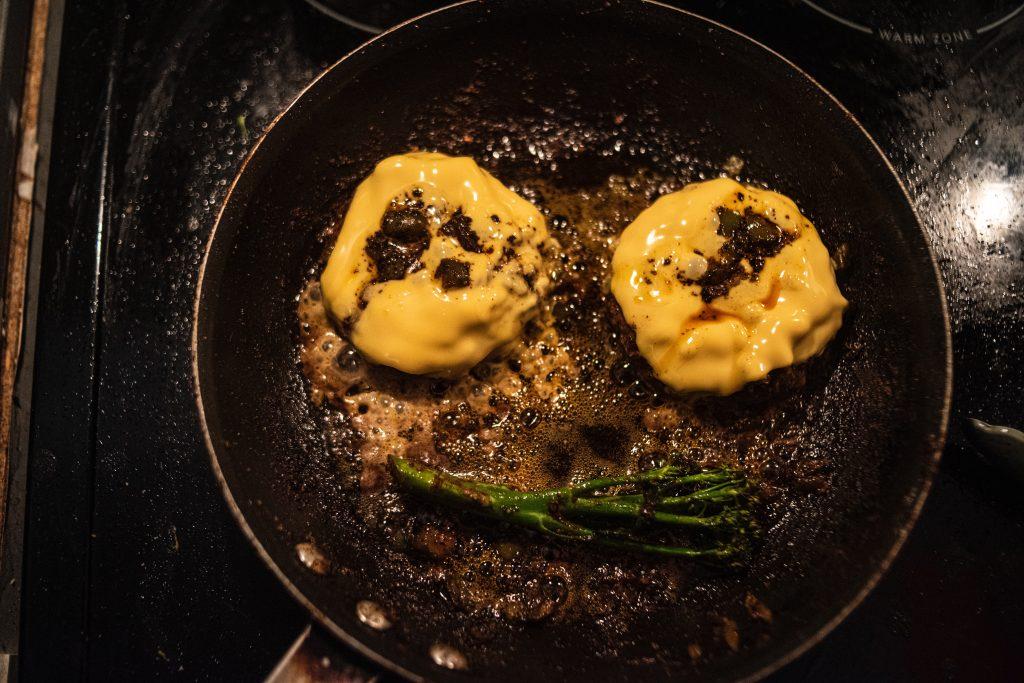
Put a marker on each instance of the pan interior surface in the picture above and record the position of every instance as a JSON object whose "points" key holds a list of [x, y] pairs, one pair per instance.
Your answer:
{"points": [[543, 90]]}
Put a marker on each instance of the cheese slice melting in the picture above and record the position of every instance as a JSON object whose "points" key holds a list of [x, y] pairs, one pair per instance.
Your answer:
{"points": [[784, 316], [414, 324]]}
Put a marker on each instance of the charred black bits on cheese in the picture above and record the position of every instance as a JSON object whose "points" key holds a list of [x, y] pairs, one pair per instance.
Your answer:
{"points": [[453, 273], [392, 261], [749, 236], [729, 222], [405, 225], [396, 248], [460, 227]]}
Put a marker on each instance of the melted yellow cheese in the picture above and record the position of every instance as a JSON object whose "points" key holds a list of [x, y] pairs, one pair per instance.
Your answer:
{"points": [[413, 324], [784, 317]]}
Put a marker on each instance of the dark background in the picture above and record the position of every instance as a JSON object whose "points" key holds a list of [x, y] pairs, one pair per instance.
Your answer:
{"points": [[134, 569]]}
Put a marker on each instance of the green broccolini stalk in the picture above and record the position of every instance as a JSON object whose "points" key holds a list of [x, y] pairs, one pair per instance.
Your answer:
{"points": [[625, 512]]}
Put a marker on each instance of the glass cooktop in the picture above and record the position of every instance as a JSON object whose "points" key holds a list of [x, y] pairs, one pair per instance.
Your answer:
{"points": [[134, 568]]}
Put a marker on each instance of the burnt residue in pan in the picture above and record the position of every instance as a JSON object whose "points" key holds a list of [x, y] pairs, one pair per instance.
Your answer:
{"points": [[572, 399], [820, 437]]}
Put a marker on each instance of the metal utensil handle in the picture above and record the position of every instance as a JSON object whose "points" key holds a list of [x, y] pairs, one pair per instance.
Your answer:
{"points": [[313, 658]]}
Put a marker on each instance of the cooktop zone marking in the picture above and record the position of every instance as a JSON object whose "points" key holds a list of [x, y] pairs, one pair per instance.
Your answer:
{"points": [[917, 37]]}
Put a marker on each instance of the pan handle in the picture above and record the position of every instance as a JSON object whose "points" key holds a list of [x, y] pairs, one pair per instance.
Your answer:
{"points": [[314, 658]]}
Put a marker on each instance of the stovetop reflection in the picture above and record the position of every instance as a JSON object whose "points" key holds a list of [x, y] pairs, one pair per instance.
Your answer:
{"points": [[155, 111]]}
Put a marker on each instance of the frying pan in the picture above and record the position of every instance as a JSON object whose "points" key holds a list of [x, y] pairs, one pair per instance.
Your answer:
{"points": [[575, 91]]}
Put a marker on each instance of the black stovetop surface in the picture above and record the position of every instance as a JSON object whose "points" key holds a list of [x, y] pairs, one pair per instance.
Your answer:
{"points": [[134, 568]]}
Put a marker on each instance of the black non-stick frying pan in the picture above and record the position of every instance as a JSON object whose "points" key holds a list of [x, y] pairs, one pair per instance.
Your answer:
{"points": [[599, 88]]}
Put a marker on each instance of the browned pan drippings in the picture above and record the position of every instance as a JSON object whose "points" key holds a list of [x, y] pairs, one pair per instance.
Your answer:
{"points": [[570, 400], [844, 447]]}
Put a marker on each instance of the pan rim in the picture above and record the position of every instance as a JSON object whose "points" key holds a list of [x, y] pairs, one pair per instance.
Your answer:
{"points": [[947, 399], [913, 511]]}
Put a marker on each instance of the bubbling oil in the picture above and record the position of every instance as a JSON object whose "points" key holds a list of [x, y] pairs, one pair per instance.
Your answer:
{"points": [[568, 401], [572, 399]]}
